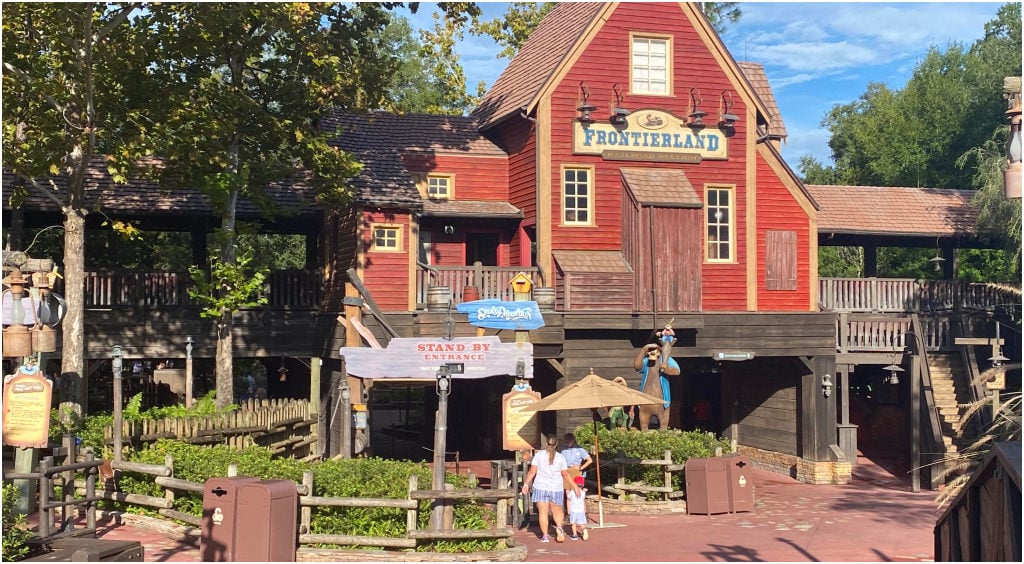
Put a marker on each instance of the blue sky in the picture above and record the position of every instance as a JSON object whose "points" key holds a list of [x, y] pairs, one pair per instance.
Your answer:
{"points": [[816, 54]]}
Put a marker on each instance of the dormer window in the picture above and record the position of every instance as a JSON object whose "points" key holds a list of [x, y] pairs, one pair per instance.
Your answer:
{"points": [[440, 187], [650, 63]]}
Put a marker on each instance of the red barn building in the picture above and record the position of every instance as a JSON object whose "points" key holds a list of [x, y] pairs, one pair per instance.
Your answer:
{"points": [[629, 165]]}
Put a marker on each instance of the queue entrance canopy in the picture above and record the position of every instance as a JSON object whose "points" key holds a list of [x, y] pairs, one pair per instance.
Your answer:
{"points": [[420, 358]]}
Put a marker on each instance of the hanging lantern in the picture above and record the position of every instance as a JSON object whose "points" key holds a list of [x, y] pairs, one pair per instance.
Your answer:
{"points": [[17, 337]]}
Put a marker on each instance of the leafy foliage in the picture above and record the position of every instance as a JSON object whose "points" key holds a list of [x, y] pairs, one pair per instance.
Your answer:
{"points": [[368, 478], [229, 287], [652, 444], [16, 529], [511, 31]]}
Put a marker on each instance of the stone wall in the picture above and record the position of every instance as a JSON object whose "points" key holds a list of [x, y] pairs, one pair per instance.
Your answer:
{"points": [[807, 471]]}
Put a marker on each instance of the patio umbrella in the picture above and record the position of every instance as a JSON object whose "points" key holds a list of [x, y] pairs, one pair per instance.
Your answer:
{"points": [[593, 392]]}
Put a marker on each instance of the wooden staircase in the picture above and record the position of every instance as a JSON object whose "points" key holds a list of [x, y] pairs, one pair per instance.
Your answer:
{"points": [[949, 386]]}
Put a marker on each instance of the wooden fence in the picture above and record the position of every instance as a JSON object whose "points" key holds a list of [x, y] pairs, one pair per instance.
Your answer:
{"points": [[282, 425], [413, 536], [622, 489], [493, 282]]}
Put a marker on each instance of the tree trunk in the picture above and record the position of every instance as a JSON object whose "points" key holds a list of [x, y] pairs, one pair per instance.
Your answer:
{"points": [[72, 365], [225, 361]]}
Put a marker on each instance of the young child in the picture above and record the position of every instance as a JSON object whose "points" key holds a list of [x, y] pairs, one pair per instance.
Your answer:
{"points": [[577, 508]]}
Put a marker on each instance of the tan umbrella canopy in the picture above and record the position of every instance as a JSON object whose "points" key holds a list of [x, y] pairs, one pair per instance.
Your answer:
{"points": [[593, 392]]}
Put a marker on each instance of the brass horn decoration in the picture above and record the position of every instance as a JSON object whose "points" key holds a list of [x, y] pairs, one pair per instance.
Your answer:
{"points": [[726, 119], [695, 113], [586, 109], [618, 114]]}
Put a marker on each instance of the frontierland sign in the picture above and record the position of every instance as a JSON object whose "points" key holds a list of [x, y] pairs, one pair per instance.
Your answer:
{"points": [[650, 135]]}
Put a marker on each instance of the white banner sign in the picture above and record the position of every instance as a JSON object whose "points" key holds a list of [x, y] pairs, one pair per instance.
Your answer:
{"points": [[480, 357]]}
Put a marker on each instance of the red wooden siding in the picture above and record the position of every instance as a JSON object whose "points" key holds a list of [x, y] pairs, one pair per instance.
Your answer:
{"points": [[518, 140], [476, 178], [387, 273], [604, 63], [777, 209]]}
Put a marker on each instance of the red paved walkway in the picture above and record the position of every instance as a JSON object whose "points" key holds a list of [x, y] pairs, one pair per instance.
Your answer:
{"points": [[874, 519]]}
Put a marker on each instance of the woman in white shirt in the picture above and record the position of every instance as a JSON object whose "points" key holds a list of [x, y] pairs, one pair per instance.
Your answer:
{"points": [[548, 471]]}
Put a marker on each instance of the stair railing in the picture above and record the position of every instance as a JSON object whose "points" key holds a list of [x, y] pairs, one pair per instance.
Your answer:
{"points": [[975, 388], [933, 449]]}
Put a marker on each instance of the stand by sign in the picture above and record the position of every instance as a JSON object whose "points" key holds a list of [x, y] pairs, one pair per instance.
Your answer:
{"points": [[499, 314], [520, 431], [421, 357], [26, 417]]}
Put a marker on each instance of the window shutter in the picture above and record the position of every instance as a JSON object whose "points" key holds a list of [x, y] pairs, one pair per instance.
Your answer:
{"points": [[780, 260]]}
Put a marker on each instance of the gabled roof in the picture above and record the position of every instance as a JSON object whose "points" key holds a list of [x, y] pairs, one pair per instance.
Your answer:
{"points": [[664, 187], [378, 140], [537, 60], [878, 210], [551, 45], [759, 81], [471, 208]]}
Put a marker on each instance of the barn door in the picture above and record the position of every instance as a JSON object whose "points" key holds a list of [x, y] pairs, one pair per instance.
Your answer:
{"points": [[678, 258]]}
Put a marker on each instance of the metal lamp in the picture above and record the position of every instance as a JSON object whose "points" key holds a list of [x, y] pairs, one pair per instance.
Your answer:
{"points": [[826, 385]]}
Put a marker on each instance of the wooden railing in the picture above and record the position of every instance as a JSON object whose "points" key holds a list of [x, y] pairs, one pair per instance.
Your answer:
{"points": [[860, 332], [493, 282], [299, 288], [908, 295]]}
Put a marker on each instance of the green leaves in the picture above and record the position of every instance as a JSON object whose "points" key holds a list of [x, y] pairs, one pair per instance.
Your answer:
{"points": [[229, 286]]}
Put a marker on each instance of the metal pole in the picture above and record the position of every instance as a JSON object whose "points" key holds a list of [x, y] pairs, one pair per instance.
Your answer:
{"points": [[440, 436], [346, 419], [118, 417], [188, 371]]}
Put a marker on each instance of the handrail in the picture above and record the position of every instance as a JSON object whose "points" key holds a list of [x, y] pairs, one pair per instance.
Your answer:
{"points": [[909, 295], [935, 447]]}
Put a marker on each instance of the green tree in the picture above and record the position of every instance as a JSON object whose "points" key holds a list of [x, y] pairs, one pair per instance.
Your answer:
{"points": [[240, 85], [814, 172], [74, 78], [437, 47]]}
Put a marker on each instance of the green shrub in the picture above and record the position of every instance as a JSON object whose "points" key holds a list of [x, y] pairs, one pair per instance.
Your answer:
{"points": [[361, 477], [16, 531], [652, 444]]}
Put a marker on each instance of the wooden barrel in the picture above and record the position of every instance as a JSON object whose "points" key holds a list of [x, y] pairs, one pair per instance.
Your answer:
{"points": [[545, 298], [438, 298], [470, 294]]}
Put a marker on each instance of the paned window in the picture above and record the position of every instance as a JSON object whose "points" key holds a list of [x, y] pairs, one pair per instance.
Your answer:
{"points": [[577, 196], [650, 64], [719, 221], [386, 239], [439, 187]]}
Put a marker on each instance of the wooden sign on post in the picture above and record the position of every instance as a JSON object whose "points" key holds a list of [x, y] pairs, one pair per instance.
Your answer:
{"points": [[26, 418], [520, 430]]}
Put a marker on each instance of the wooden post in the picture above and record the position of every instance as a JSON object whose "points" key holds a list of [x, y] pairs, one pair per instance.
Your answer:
{"points": [[306, 513], [168, 492], [440, 440], [118, 405], [346, 417], [411, 515], [314, 402]]}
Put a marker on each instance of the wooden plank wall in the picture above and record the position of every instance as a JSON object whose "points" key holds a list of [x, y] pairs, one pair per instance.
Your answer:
{"points": [[767, 401]]}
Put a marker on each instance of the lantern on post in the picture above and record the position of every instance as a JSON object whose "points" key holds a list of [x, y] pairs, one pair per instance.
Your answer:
{"points": [[17, 338]]}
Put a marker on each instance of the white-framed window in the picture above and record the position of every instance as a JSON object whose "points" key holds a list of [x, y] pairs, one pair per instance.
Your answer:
{"points": [[650, 64], [440, 186], [385, 238], [719, 220], [577, 195]]}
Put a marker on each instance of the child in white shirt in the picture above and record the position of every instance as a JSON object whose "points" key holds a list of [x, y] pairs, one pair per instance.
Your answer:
{"points": [[577, 509]]}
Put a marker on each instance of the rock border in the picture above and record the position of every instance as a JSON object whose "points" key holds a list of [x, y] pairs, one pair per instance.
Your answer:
{"points": [[615, 506]]}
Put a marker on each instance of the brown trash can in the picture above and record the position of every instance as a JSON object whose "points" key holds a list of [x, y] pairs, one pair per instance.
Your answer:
{"points": [[267, 521], [741, 483], [217, 535], [707, 486]]}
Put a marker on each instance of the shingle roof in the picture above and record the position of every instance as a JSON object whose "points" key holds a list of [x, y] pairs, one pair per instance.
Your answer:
{"points": [[591, 261], [759, 81], [471, 208], [661, 186], [878, 210], [143, 196], [538, 58], [378, 141]]}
